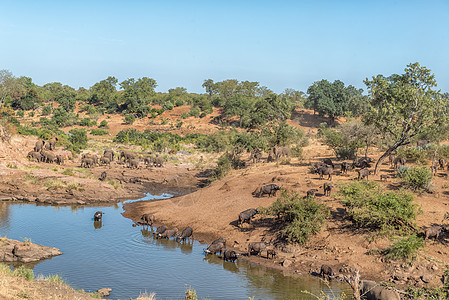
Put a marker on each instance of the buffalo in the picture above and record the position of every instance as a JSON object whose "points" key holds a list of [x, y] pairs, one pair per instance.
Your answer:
{"points": [[168, 233], [217, 246], [230, 255], [98, 215], [363, 173], [327, 187], [256, 247], [147, 219], [246, 216], [270, 189], [311, 192], [185, 234], [326, 271]]}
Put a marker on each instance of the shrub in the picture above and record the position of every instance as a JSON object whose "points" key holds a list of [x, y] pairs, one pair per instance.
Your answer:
{"points": [[129, 119], [24, 272], [195, 112], [31, 114], [103, 124], [224, 166], [405, 248], [77, 139], [414, 154], [184, 115], [46, 110], [20, 113], [345, 153], [300, 217], [203, 114], [417, 178], [54, 278], [370, 207], [296, 151], [99, 132]]}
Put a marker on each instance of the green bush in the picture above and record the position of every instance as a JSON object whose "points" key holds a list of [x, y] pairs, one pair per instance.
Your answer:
{"points": [[20, 113], [300, 217], [103, 124], [129, 119], [224, 166], [417, 178], [184, 115], [99, 132], [195, 112], [31, 114], [371, 207], [345, 153], [414, 154], [405, 248], [77, 139], [203, 114], [21, 271], [46, 110], [296, 151]]}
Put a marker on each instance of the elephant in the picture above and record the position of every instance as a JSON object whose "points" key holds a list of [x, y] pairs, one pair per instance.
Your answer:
{"points": [[127, 155], [35, 155], [52, 143], [87, 162], [93, 157], [109, 154], [39, 146], [48, 156], [59, 159], [105, 160], [158, 161], [133, 163]]}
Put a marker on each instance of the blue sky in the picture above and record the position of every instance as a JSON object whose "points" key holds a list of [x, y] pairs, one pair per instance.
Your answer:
{"points": [[281, 44]]}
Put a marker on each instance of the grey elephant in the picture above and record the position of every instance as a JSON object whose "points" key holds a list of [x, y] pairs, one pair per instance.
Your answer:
{"points": [[127, 155], [39, 146], [52, 143], [109, 154], [87, 162], [35, 155]]}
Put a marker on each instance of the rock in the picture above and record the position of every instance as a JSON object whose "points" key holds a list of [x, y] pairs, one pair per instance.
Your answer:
{"points": [[426, 278], [16, 251], [104, 292], [287, 263]]}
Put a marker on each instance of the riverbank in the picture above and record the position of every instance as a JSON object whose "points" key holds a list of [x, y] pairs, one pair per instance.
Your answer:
{"points": [[213, 211], [69, 184]]}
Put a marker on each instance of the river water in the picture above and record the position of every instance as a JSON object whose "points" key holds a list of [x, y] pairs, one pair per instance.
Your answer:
{"points": [[127, 259]]}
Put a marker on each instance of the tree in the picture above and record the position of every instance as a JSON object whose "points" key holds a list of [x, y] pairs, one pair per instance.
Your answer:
{"points": [[7, 85], [104, 91], [331, 99], [136, 94], [406, 107], [209, 85], [238, 106], [273, 109]]}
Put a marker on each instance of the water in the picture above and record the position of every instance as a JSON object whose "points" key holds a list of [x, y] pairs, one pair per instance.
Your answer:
{"points": [[127, 259]]}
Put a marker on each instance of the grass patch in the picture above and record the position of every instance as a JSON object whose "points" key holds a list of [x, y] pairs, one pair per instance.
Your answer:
{"points": [[54, 184], [68, 172], [371, 207], [300, 217], [405, 248], [114, 183], [54, 278], [31, 178], [11, 166], [5, 269], [26, 273]]}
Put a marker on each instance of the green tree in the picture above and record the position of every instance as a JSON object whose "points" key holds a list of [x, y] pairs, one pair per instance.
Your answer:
{"points": [[209, 85], [136, 95], [331, 99], [238, 106], [105, 93], [273, 109], [406, 106], [26, 95], [8, 84]]}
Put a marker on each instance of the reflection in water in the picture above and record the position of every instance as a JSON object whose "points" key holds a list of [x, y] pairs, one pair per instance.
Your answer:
{"points": [[186, 247], [97, 224], [4, 215]]}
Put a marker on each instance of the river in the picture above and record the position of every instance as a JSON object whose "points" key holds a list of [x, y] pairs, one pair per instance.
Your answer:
{"points": [[127, 259]]}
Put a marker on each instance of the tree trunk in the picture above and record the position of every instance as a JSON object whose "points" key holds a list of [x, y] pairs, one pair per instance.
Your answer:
{"points": [[388, 152], [366, 150]]}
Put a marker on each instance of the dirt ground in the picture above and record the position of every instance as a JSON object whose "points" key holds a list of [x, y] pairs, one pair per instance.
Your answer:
{"points": [[213, 212]]}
